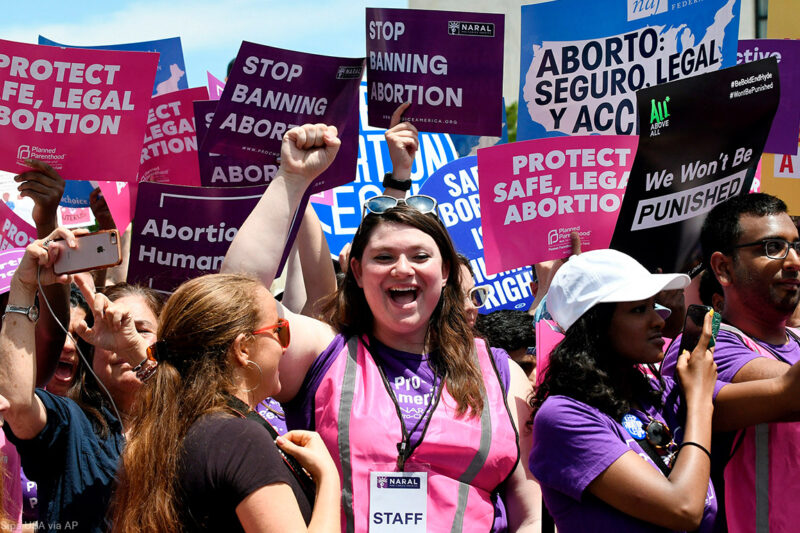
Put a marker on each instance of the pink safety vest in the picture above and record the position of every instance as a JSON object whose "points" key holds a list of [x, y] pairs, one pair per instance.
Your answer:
{"points": [[466, 458], [762, 479]]}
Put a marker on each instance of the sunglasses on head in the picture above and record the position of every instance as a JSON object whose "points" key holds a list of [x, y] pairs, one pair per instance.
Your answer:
{"points": [[377, 205], [479, 295], [281, 330]]}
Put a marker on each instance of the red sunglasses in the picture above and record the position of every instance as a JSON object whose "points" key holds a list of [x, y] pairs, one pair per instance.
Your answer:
{"points": [[281, 329]]}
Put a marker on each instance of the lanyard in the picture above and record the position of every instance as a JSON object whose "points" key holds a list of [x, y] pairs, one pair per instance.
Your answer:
{"points": [[404, 447]]}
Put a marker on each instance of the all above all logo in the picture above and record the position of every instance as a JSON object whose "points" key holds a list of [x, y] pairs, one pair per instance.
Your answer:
{"points": [[472, 29], [658, 110]]}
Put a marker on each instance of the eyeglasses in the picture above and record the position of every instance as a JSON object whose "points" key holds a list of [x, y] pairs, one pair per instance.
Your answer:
{"points": [[377, 205], [774, 248], [281, 329], [479, 295]]}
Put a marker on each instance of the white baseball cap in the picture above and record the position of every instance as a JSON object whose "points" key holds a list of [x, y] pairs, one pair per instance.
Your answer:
{"points": [[603, 276]]}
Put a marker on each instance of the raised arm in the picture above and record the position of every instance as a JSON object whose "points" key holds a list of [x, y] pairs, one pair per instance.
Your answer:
{"points": [[403, 141], [306, 152], [26, 415], [45, 186]]}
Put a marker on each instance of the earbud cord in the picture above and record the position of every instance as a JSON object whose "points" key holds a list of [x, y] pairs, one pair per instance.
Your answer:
{"points": [[77, 348]]}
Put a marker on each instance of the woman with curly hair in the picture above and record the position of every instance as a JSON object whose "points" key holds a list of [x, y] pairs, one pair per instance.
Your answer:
{"points": [[616, 449]]}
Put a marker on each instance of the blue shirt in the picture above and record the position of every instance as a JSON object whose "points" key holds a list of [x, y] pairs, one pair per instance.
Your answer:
{"points": [[73, 466]]}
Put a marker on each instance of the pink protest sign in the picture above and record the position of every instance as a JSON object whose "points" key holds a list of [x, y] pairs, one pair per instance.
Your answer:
{"points": [[9, 261], [215, 86], [73, 108], [121, 199], [14, 232], [547, 338], [169, 154], [533, 194], [75, 217]]}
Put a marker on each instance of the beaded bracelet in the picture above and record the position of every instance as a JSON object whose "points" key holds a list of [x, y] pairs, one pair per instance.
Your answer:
{"points": [[696, 445]]}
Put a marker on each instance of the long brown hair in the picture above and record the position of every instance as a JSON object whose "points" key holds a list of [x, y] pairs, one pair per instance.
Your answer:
{"points": [[199, 323], [448, 338], [85, 391]]}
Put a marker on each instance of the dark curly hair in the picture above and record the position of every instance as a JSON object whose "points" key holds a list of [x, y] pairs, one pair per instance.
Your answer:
{"points": [[585, 367]]}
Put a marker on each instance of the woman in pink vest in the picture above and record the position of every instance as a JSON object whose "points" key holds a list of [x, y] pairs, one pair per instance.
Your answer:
{"points": [[421, 419]]}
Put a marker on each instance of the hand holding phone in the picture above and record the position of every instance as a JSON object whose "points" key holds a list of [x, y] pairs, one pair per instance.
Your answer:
{"points": [[693, 327], [94, 251]]}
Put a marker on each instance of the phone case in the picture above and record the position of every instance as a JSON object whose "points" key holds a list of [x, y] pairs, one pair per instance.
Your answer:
{"points": [[94, 251]]}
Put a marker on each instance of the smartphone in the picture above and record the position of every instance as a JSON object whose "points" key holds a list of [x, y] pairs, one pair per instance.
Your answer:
{"points": [[693, 327], [94, 251]]}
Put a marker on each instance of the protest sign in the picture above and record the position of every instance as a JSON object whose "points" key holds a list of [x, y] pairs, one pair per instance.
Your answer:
{"points": [[341, 216], [700, 143], [14, 232], [783, 20], [76, 193], [270, 91], [169, 153], [535, 193], [215, 86], [183, 232], [9, 261], [218, 170], [170, 75], [783, 135], [64, 106], [780, 176], [121, 200], [417, 56], [455, 187], [581, 62], [75, 217]]}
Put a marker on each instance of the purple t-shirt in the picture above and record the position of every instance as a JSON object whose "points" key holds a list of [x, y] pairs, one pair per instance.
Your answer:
{"points": [[411, 379], [271, 411], [573, 443], [731, 354]]}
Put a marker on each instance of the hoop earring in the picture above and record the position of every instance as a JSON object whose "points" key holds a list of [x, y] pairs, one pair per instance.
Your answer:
{"points": [[260, 377]]}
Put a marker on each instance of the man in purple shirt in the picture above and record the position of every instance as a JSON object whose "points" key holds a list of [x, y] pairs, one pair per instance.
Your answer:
{"points": [[751, 245]]}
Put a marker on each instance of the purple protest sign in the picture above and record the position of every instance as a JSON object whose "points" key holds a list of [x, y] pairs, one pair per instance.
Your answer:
{"points": [[14, 232], [217, 170], [170, 142], [783, 134], [215, 86], [183, 232], [271, 90], [418, 56], [9, 261]]}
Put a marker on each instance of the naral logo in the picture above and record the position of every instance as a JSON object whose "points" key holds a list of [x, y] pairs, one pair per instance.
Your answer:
{"points": [[473, 29], [658, 110], [552, 236], [639, 9], [348, 73], [24, 151], [400, 482]]}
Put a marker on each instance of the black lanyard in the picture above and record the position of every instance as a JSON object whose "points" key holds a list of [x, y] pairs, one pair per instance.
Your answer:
{"points": [[404, 447]]}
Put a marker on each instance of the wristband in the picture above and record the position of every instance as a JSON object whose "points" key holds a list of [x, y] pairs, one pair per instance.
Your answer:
{"points": [[390, 183], [696, 445]]}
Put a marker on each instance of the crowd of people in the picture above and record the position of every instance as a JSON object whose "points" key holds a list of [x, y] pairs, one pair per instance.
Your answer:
{"points": [[221, 408]]}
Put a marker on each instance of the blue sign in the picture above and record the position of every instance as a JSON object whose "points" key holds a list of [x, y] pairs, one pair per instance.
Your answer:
{"points": [[76, 193], [581, 62], [171, 73], [340, 220], [469, 144], [455, 187]]}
